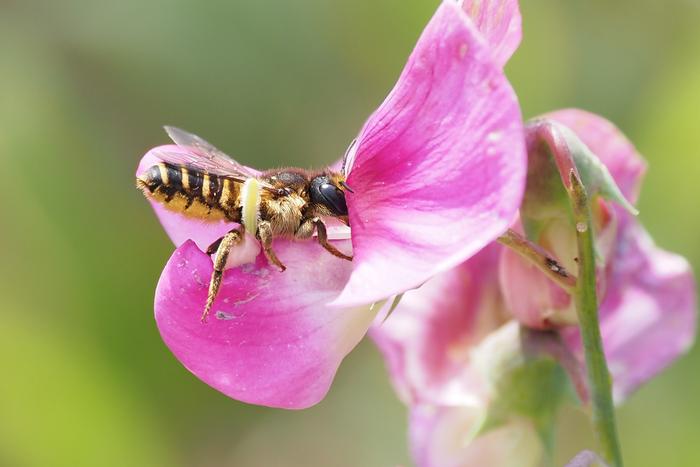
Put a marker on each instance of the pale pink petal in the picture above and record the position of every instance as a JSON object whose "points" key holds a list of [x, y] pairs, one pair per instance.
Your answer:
{"points": [[444, 437], [607, 142], [649, 313], [270, 339], [439, 168], [428, 340], [499, 21], [586, 459], [533, 298], [179, 227]]}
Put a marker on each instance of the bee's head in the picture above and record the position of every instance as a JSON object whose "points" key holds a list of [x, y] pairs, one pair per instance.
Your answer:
{"points": [[328, 190]]}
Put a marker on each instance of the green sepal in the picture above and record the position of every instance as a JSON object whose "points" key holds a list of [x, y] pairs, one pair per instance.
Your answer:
{"points": [[524, 382], [594, 174], [535, 389], [546, 206], [546, 198]]}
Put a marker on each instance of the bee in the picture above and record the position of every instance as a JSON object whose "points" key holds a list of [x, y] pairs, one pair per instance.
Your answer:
{"points": [[203, 182]]}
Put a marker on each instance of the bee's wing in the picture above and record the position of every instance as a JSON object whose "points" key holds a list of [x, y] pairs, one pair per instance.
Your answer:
{"points": [[204, 156]]}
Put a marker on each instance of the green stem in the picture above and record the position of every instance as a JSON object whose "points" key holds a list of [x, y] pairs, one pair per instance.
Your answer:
{"points": [[603, 410], [539, 257]]}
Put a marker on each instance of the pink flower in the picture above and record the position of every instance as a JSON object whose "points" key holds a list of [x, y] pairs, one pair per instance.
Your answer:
{"points": [[428, 340], [447, 344], [451, 347], [442, 437], [647, 295], [438, 173], [649, 310], [441, 341]]}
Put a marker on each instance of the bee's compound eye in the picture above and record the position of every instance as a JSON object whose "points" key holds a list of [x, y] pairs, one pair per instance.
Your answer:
{"points": [[334, 199], [325, 193]]}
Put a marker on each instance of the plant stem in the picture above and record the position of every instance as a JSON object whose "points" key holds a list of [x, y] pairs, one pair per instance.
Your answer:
{"points": [[603, 410], [539, 257]]}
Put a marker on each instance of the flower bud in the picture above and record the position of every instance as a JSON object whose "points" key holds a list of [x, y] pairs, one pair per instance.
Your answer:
{"points": [[547, 220]]}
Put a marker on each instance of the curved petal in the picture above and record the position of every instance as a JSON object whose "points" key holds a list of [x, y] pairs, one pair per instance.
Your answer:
{"points": [[428, 340], [533, 298], [607, 142], [439, 168], [178, 227], [649, 313], [270, 340], [499, 21], [444, 437]]}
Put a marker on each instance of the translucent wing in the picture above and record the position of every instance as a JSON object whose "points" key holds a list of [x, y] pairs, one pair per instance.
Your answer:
{"points": [[206, 157]]}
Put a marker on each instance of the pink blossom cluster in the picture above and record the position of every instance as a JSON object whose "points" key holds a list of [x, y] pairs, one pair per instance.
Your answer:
{"points": [[440, 171]]}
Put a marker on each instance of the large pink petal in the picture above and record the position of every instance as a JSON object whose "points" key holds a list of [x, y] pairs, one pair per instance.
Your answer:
{"points": [[649, 313], [428, 340], [607, 142], [443, 437], [178, 227], [499, 21], [270, 340], [439, 168]]}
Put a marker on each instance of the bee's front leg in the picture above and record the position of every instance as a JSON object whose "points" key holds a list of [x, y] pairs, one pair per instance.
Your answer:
{"points": [[265, 235], [222, 247], [323, 240]]}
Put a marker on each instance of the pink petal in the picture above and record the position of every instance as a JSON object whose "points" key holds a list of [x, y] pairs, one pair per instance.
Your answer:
{"points": [[427, 341], [178, 227], [443, 437], [269, 340], [439, 168], [648, 316], [534, 299], [499, 22], [608, 143], [586, 459]]}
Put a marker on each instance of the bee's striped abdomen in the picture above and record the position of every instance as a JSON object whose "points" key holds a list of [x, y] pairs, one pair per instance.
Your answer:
{"points": [[192, 192]]}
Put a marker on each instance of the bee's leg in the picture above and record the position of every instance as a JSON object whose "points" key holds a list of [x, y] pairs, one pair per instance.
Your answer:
{"points": [[323, 240], [306, 229], [222, 247], [265, 236], [211, 249]]}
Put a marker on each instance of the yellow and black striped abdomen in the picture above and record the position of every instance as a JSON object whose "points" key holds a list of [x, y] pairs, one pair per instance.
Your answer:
{"points": [[192, 192]]}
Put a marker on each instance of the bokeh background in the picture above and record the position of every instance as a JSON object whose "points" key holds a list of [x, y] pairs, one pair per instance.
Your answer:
{"points": [[85, 87]]}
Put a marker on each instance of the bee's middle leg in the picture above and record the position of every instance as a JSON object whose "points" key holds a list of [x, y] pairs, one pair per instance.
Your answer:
{"points": [[265, 235], [222, 248], [323, 240]]}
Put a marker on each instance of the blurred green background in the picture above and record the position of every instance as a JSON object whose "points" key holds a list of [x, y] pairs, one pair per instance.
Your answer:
{"points": [[85, 87]]}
